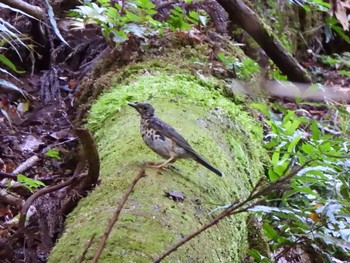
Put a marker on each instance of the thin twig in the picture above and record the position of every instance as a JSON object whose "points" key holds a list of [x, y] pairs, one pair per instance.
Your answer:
{"points": [[86, 249], [8, 175], [115, 216]]}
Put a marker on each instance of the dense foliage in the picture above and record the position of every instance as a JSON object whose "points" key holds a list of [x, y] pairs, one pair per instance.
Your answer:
{"points": [[313, 211]]}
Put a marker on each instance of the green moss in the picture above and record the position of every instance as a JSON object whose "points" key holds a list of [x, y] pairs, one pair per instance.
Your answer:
{"points": [[150, 222]]}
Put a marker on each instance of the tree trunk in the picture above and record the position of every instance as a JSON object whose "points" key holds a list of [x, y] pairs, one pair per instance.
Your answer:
{"points": [[150, 222]]}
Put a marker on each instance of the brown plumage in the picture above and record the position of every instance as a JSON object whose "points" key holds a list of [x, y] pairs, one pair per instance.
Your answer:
{"points": [[164, 139]]}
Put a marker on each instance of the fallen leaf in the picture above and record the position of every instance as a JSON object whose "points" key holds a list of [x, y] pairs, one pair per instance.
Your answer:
{"points": [[30, 144], [175, 196]]}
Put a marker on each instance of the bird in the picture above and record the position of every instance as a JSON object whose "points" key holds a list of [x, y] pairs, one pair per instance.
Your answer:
{"points": [[164, 140]]}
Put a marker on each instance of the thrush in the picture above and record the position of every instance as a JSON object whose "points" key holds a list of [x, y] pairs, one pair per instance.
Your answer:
{"points": [[165, 140]]}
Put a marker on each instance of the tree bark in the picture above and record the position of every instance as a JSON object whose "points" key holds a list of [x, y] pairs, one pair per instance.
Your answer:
{"points": [[150, 221], [32, 10]]}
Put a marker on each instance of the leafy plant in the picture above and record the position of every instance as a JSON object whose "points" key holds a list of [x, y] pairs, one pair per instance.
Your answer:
{"points": [[319, 4], [244, 70], [53, 153], [336, 61], [118, 21], [314, 210], [10, 38], [177, 19], [277, 74], [331, 23], [29, 183], [180, 20]]}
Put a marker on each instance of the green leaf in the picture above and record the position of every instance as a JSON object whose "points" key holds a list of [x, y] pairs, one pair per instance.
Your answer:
{"points": [[288, 117], [270, 232], [133, 17], [8, 63], [53, 22], [53, 153], [306, 189], [315, 180], [292, 126], [29, 183], [128, 218], [272, 175], [315, 130], [193, 17], [316, 168], [344, 73], [309, 150], [257, 256], [332, 240], [146, 4], [258, 106], [325, 147], [341, 33], [281, 166], [275, 158], [291, 146]]}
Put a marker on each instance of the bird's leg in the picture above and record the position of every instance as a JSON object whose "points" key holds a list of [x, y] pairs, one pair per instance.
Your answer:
{"points": [[162, 165]]}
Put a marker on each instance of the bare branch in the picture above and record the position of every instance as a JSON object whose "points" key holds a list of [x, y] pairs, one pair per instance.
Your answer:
{"points": [[26, 164], [32, 10]]}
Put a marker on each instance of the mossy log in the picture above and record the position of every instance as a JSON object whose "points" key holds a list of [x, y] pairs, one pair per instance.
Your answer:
{"points": [[217, 128]]}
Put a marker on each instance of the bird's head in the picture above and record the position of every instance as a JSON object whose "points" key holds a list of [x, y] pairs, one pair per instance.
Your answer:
{"points": [[145, 109]]}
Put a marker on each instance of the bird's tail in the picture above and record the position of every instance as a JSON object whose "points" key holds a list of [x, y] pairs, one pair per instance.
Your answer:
{"points": [[203, 162]]}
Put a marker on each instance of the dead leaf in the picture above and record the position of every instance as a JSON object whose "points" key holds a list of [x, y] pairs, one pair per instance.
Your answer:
{"points": [[339, 10], [60, 134], [30, 144], [175, 196], [23, 106]]}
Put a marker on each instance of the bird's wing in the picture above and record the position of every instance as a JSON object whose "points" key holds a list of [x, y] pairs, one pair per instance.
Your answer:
{"points": [[168, 131]]}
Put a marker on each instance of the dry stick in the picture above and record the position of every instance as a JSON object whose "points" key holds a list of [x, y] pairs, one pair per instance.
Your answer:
{"points": [[86, 249], [115, 216], [35, 11], [26, 165], [8, 175], [231, 210], [8, 198]]}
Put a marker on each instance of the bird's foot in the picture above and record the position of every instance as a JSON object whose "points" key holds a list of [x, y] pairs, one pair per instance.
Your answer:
{"points": [[156, 165]]}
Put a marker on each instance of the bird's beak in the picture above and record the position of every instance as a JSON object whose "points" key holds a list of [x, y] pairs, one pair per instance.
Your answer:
{"points": [[133, 105]]}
